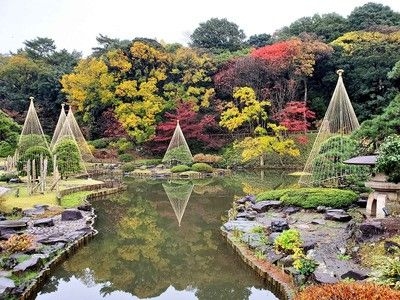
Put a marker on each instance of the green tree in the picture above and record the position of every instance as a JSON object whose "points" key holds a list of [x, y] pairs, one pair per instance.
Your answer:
{"points": [[372, 14], [367, 57], [388, 160], [218, 34], [259, 40], [68, 157], [9, 133], [327, 27], [373, 132]]}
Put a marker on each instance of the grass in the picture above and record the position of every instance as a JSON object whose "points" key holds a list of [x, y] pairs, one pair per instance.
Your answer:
{"points": [[371, 254], [24, 201], [74, 200]]}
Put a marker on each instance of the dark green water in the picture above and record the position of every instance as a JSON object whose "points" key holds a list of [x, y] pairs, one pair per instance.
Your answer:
{"points": [[142, 252]]}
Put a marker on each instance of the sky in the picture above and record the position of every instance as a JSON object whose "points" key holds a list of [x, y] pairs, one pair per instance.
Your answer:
{"points": [[74, 24]]}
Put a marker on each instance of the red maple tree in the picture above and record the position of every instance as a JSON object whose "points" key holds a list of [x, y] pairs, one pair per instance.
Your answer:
{"points": [[196, 128], [295, 116]]}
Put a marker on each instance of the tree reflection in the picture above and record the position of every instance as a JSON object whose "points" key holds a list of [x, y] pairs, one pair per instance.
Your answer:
{"points": [[140, 249]]}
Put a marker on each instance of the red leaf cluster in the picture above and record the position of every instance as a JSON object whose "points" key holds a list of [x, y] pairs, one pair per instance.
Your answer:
{"points": [[196, 128], [295, 116], [110, 125]]}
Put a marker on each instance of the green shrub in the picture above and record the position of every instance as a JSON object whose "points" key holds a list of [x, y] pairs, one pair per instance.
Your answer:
{"points": [[179, 155], [388, 160], [126, 157], [7, 176], [100, 143], [68, 157], [30, 140], [202, 167], [122, 145], [34, 153], [128, 167], [148, 162], [311, 197], [388, 272], [180, 168], [6, 149], [272, 195], [288, 241]]}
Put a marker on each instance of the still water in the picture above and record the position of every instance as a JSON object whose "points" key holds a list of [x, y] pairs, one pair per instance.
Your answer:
{"points": [[161, 240]]}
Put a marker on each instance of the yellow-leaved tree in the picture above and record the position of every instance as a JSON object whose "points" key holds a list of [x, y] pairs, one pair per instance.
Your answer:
{"points": [[266, 138]]}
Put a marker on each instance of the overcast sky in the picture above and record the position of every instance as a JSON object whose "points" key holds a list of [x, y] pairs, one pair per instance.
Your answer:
{"points": [[74, 24]]}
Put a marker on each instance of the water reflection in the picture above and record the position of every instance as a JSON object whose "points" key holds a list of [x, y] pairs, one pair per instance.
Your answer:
{"points": [[178, 194], [141, 252]]}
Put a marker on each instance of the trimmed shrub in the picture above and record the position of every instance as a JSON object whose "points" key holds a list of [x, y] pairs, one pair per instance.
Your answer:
{"points": [[180, 168], [125, 157], [100, 143], [6, 149], [202, 167], [311, 197], [348, 290], [68, 157], [128, 167]]}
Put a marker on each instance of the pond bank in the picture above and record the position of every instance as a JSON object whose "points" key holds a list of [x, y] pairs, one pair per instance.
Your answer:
{"points": [[57, 234], [331, 238]]}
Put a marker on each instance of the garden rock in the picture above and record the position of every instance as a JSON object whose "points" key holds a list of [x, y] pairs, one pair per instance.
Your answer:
{"points": [[248, 198], [391, 247], [291, 210], [85, 207], [355, 274], [337, 215], [272, 237], [279, 225], [318, 222], [264, 206], [13, 224], [247, 215], [71, 215], [286, 261], [253, 240], [47, 222], [272, 256], [33, 262], [371, 228], [244, 226], [6, 283], [322, 209], [322, 277]]}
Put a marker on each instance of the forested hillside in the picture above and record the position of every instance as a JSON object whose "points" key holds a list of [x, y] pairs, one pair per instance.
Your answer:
{"points": [[222, 86]]}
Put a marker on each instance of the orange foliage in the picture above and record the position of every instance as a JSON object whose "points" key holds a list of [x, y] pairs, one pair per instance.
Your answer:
{"points": [[348, 291]]}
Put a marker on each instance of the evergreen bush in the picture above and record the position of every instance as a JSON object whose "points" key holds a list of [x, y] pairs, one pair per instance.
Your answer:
{"points": [[202, 167], [311, 197], [388, 160], [126, 157], [180, 168]]}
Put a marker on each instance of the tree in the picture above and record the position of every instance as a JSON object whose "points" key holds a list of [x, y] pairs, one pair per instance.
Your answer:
{"points": [[372, 14], [107, 44], [295, 116], [40, 48], [373, 132], [196, 127], [258, 147], [245, 109], [68, 157], [259, 40], [327, 27], [388, 160], [368, 57], [394, 75], [218, 34], [9, 133]]}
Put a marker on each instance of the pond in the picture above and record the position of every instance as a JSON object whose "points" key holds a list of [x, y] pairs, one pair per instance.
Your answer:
{"points": [[162, 240]]}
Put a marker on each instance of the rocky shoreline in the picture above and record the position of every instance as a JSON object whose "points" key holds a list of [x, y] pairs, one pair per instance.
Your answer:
{"points": [[330, 237], [56, 234]]}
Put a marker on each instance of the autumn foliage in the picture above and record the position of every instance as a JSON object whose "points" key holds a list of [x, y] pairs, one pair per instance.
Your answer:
{"points": [[295, 116], [195, 127], [347, 291]]}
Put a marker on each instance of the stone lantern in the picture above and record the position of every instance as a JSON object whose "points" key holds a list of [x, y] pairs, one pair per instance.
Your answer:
{"points": [[385, 195]]}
